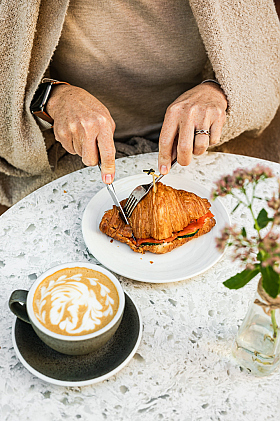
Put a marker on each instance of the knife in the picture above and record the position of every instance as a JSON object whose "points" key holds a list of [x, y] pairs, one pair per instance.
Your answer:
{"points": [[111, 190]]}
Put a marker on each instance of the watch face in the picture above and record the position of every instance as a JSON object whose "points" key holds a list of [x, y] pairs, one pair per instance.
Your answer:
{"points": [[39, 102], [40, 97]]}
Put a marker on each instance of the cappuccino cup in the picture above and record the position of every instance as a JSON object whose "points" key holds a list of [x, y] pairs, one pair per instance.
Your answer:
{"points": [[74, 308]]}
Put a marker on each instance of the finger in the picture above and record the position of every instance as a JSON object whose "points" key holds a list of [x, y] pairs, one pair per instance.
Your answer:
{"points": [[174, 148], [185, 143], [90, 153], [215, 132], [106, 146], [201, 143], [78, 136], [63, 135], [168, 136]]}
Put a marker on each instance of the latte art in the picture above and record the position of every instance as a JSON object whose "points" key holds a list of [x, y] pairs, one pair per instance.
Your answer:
{"points": [[75, 301]]}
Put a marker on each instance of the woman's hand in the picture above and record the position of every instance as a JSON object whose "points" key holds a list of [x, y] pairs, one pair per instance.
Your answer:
{"points": [[200, 108], [84, 126]]}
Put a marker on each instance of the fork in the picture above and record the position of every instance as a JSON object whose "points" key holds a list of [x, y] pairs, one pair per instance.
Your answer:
{"points": [[139, 192]]}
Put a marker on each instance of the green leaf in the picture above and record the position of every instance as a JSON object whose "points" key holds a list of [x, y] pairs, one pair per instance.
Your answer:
{"points": [[263, 219], [270, 281], [243, 232], [240, 279]]}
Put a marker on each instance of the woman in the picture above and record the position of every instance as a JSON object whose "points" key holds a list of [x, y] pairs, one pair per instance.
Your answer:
{"points": [[238, 42]]}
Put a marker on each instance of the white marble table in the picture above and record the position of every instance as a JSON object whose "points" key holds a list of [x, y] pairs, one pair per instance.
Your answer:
{"points": [[183, 369]]}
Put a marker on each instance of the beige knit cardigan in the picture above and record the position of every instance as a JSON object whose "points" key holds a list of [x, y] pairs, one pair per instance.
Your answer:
{"points": [[242, 40]]}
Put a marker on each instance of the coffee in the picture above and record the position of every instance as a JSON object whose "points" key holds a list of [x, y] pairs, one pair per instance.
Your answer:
{"points": [[75, 301]]}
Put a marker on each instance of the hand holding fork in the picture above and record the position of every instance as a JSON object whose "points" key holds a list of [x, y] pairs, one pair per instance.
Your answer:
{"points": [[139, 192]]}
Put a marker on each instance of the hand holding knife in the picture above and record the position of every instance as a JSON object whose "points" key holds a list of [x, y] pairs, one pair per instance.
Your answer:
{"points": [[111, 190]]}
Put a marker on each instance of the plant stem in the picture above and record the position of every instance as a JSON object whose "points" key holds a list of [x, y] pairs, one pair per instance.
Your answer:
{"points": [[274, 324], [250, 206]]}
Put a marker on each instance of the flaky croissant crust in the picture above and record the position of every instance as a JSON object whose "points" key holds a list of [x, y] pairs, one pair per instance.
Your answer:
{"points": [[165, 212]]}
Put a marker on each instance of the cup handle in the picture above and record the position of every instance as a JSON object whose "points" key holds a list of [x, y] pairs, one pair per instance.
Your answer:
{"points": [[17, 304]]}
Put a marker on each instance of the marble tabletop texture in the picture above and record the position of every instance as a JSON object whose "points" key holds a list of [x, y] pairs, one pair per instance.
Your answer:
{"points": [[183, 369]]}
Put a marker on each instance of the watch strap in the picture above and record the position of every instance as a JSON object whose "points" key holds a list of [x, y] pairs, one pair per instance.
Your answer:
{"points": [[39, 102]]}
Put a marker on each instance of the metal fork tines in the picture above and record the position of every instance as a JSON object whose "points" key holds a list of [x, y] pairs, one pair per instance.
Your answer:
{"points": [[134, 198], [139, 192]]}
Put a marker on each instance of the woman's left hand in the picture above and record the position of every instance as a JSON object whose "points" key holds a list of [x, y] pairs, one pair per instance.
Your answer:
{"points": [[201, 108]]}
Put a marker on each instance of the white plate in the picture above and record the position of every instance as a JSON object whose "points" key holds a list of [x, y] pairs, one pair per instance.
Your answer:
{"points": [[186, 261]]}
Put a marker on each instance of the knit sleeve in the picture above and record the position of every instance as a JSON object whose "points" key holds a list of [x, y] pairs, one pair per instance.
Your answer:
{"points": [[242, 40]]}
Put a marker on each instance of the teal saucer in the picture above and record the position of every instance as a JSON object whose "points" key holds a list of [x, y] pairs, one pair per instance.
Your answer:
{"points": [[69, 370]]}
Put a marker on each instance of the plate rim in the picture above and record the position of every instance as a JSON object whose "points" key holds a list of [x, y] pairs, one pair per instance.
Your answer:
{"points": [[107, 264], [95, 380]]}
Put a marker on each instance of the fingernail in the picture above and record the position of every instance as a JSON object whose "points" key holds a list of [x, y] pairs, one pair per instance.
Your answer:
{"points": [[163, 169], [108, 178]]}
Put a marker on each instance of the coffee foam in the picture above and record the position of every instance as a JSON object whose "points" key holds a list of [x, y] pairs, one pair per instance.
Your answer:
{"points": [[75, 301]]}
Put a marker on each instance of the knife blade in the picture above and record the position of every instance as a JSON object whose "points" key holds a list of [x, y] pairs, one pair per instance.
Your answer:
{"points": [[111, 190]]}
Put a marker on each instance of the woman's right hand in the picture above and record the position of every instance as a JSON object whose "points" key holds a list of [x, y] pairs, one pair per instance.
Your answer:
{"points": [[84, 126]]}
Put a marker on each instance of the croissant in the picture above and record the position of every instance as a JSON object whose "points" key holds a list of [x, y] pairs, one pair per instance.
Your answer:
{"points": [[162, 221]]}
